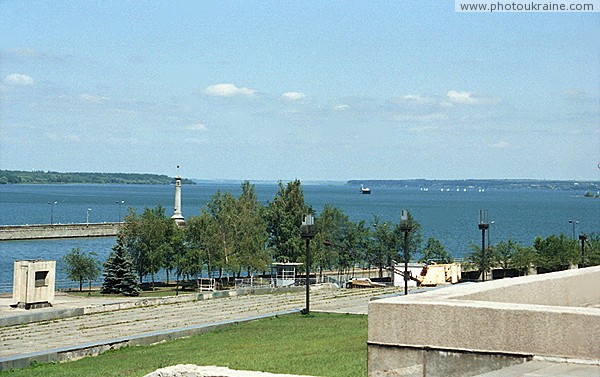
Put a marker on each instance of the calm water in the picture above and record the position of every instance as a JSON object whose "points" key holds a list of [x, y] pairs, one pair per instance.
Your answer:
{"points": [[449, 216]]}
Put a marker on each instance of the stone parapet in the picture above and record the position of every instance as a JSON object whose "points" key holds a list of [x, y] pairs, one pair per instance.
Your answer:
{"points": [[509, 320]]}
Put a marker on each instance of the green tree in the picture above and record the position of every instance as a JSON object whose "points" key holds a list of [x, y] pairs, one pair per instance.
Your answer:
{"points": [[81, 266], [435, 251], [202, 245], [175, 251], [592, 250], [503, 254], [523, 259], [383, 243], [475, 257], [285, 214], [148, 239], [332, 226], [555, 253], [119, 272], [251, 231], [356, 241]]}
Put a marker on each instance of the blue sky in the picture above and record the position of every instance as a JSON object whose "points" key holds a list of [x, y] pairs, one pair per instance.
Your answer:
{"points": [[287, 89]]}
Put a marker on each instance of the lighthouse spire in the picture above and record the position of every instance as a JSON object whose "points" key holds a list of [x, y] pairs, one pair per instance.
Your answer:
{"points": [[177, 216]]}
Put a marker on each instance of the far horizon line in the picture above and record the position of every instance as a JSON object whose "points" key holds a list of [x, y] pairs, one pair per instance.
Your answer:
{"points": [[276, 180]]}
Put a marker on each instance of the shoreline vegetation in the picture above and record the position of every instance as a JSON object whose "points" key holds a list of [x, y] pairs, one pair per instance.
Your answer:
{"points": [[51, 177], [591, 188]]}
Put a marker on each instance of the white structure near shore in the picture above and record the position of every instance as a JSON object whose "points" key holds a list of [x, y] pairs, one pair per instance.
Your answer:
{"points": [[33, 285], [177, 216]]}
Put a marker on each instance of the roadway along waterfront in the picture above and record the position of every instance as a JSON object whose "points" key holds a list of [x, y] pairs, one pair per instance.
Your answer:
{"points": [[36, 232], [114, 329]]}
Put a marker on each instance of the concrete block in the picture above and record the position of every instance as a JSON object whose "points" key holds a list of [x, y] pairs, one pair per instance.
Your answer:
{"points": [[550, 315], [33, 283]]}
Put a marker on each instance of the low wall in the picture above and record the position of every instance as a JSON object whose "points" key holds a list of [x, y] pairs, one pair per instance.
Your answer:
{"points": [[481, 327], [32, 232]]}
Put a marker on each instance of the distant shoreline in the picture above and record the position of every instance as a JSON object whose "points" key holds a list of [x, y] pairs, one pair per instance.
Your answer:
{"points": [[495, 184], [50, 177]]}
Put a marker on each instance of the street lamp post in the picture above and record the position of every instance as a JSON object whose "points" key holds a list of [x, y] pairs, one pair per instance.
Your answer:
{"points": [[120, 203], [405, 227], [489, 235], [582, 238], [87, 217], [307, 232], [574, 222], [483, 225], [52, 211]]}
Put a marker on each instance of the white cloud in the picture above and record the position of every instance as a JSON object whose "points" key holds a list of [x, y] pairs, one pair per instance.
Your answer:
{"points": [[461, 97], [18, 79], [197, 127], [467, 98], [292, 96], [420, 117], [415, 98], [228, 90], [341, 107]]}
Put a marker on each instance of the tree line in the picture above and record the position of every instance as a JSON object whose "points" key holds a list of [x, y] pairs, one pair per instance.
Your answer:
{"points": [[237, 236], [50, 177]]}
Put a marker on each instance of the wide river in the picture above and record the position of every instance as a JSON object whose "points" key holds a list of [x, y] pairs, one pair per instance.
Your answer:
{"points": [[450, 216]]}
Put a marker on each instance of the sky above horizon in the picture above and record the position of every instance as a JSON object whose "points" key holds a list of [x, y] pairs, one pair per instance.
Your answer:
{"points": [[311, 90]]}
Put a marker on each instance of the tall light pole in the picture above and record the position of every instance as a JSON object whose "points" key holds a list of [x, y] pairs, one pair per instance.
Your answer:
{"points": [[582, 238], [489, 235], [574, 222], [87, 217], [120, 203], [52, 211], [483, 225], [405, 227], [307, 232]]}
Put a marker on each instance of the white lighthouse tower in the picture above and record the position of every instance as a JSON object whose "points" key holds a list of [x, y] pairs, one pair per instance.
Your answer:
{"points": [[177, 216]]}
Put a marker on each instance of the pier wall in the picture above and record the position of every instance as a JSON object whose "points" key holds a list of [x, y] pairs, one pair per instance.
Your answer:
{"points": [[33, 232]]}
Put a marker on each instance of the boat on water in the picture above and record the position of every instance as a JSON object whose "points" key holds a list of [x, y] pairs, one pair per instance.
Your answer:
{"points": [[364, 190]]}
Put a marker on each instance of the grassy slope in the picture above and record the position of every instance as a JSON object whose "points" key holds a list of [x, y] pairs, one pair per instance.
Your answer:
{"points": [[318, 345]]}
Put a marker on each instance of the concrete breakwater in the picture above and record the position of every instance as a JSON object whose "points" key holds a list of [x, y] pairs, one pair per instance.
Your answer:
{"points": [[33, 232]]}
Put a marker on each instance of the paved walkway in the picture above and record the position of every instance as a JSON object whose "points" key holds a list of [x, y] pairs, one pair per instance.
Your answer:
{"points": [[107, 326]]}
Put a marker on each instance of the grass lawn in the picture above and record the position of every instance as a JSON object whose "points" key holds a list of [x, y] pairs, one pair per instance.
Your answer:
{"points": [[318, 345]]}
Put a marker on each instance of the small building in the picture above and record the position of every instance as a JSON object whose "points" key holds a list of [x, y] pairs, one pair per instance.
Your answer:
{"points": [[414, 270], [33, 283], [285, 273]]}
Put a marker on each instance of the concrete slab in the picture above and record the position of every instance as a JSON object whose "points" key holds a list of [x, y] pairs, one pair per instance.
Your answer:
{"points": [[552, 315], [537, 368]]}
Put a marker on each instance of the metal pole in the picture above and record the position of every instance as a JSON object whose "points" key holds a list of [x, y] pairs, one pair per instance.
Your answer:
{"points": [[582, 237], [482, 254], [405, 263], [307, 309]]}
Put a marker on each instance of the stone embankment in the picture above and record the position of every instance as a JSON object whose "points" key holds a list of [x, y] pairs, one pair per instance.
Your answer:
{"points": [[74, 337], [33, 232]]}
